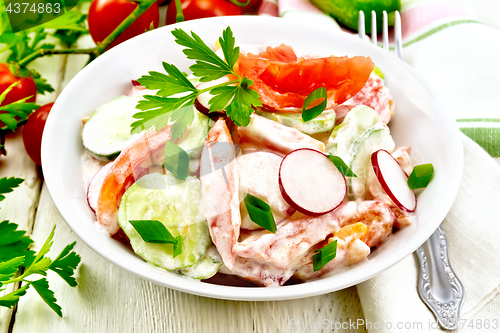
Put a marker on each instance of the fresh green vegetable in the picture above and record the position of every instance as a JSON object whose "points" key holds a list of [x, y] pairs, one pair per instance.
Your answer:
{"points": [[176, 160], [322, 123], [260, 212], [18, 263], [206, 267], [341, 166], [358, 156], [152, 231], [208, 67], [324, 255], [107, 131], [311, 113], [346, 12], [358, 120], [420, 176], [173, 203]]}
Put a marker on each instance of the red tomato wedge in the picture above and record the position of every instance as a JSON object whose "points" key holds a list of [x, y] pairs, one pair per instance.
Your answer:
{"points": [[283, 80]]}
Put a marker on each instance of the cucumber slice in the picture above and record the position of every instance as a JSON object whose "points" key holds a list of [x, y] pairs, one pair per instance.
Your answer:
{"points": [[193, 140], [322, 123], [107, 131], [358, 120], [359, 154], [206, 267], [176, 204]]}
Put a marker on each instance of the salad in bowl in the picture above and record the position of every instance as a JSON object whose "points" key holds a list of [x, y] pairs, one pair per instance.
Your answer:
{"points": [[260, 163]]}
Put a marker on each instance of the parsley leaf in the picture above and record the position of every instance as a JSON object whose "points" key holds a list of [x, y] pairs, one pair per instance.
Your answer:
{"points": [[235, 96], [9, 268], [226, 42], [159, 111], [208, 65], [173, 83], [8, 185], [11, 299], [13, 243], [42, 288], [65, 264]]}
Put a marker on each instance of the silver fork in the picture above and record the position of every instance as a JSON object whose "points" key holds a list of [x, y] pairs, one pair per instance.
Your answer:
{"points": [[438, 286]]}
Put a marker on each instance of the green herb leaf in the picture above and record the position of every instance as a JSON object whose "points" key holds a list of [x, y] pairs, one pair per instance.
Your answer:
{"points": [[208, 65], [176, 160], [241, 107], [42, 86], [9, 268], [41, 264], [13, 243], [420, 176], [341, 166], [226, 42], [167, 85], [324, 255], [178, 246], [66, 263], [11, 299], [152, 231], [159, 111], [17, 114], [42, 288], [260, 212], [8, 185], [311, 113]]}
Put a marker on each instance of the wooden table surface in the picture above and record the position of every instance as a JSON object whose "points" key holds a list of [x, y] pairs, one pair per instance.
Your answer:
{"points": [[109, 299]]}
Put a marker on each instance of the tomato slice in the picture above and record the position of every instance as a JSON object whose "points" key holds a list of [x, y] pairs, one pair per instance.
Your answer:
{"points": [[284, 81]]}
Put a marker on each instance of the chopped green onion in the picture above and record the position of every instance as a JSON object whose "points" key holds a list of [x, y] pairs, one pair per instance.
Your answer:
{"points": [[178, 246], [152, 231], [420, 176], [324, 255], [260, 212], [378, 72], [308, 114], [341, 166], [176, 160]]}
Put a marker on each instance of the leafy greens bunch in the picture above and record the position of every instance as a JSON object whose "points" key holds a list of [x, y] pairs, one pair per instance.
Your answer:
{"points": [[173, 103], [20, 264]]}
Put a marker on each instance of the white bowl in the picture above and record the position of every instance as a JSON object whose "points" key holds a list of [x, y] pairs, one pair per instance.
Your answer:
{"points": [[419, 121]]}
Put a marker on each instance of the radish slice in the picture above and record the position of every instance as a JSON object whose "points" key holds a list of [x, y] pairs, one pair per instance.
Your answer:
{"points": [[201, 102], [394, 180], [310, 182], [95, 186]]}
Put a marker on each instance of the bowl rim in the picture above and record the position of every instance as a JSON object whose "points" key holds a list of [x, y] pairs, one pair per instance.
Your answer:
{"points": [[312, 288]]}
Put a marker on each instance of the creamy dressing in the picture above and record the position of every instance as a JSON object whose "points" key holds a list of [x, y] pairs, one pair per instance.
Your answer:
{"points": [[258, 255]]}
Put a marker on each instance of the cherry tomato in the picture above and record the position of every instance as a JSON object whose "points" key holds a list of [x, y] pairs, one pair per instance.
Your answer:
{"points": [[105, 15], [195, 9], [33, 130], [25, 88]]}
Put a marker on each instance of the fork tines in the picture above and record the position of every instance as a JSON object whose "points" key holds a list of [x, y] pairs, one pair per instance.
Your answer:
{"points": [[398, 44]]}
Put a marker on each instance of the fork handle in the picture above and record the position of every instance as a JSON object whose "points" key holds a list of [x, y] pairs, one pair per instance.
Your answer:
{"points": [[438, 286]]}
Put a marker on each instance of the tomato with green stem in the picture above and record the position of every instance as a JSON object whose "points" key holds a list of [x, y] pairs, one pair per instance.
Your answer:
{"points": [[105, 15], [195, 9], [25, 88], [33, 131]]}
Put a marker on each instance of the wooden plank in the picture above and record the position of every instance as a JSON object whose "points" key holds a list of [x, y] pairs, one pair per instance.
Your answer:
{"points": [[20, 205], [109, 299]]}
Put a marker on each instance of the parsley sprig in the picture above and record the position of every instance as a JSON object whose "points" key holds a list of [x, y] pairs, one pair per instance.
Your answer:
{"points": [[173, 102], [15, 114], [19, 264]]}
